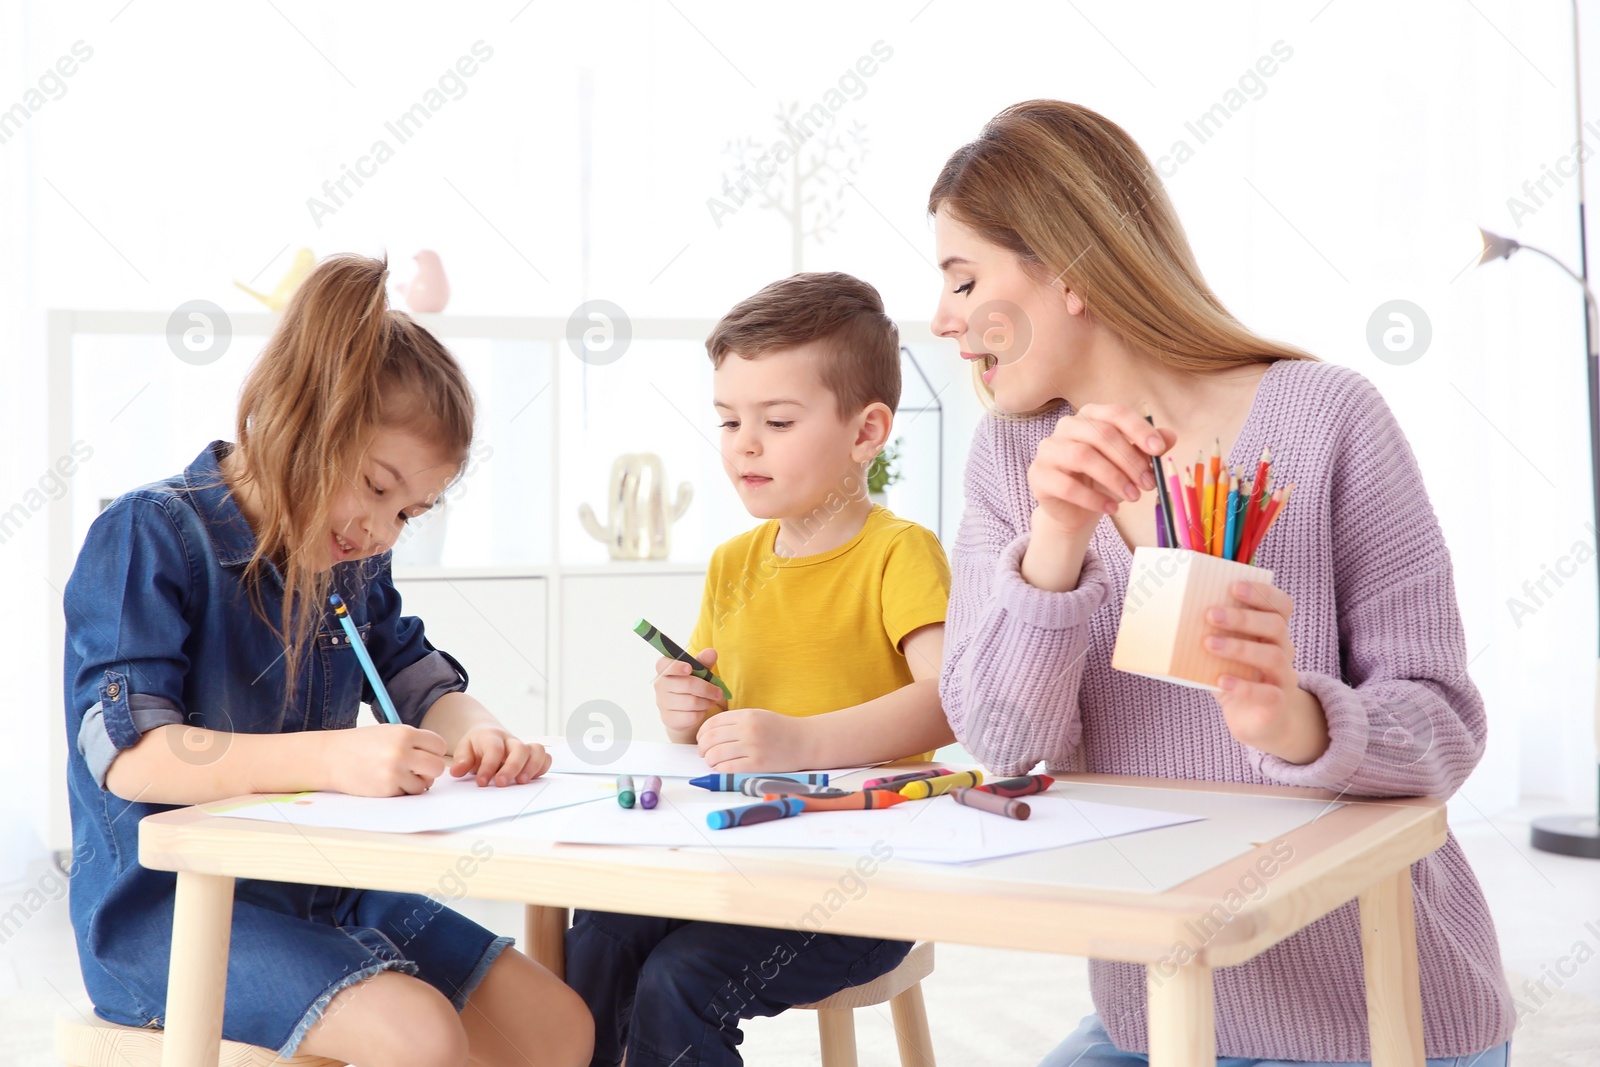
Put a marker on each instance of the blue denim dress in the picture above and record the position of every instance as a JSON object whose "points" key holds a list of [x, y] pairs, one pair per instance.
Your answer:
{"points": [[160, 630]]}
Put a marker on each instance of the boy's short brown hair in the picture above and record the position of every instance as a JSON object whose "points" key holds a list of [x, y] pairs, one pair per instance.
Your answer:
{"points": [[859, 343]]}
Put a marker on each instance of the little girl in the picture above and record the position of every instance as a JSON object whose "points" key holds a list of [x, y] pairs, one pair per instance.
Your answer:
{"points": [[203, 662], [1071, 287]]}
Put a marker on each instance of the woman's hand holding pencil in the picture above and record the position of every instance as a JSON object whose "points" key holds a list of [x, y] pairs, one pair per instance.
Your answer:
{"points": [[1094, 461]]}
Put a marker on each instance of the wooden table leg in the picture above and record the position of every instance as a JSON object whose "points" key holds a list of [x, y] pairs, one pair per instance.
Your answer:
{"points": [[545, 935], [1394, 991], [202, 924], [1182, 1023]]}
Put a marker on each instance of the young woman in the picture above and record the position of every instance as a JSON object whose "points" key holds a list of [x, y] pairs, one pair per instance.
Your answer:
{"points": [[1070, 285]]}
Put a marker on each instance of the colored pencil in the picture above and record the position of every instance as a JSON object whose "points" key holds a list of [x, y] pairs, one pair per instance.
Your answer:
{"points": [[1257, 486], [1219, 515], [1213, 529], [1252, 519], [1231, 519], [1197, 537], [1280, 500], [1181, 513], [1208, 497], [1163, 513], [1161, 528]]}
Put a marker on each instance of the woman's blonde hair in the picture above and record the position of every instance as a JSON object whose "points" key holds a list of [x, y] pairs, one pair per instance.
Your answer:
{"points": [[340, 366], [1076, 199]]}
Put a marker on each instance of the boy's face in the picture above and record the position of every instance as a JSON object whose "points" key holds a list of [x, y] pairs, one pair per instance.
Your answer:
{"points": [[783, 443]]}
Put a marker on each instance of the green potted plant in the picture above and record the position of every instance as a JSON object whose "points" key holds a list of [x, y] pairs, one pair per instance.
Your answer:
{"points": [[883, 471]]}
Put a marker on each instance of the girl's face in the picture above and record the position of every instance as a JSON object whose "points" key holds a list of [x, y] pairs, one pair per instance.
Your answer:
{"points": [[400, 478], [1026, 333]]}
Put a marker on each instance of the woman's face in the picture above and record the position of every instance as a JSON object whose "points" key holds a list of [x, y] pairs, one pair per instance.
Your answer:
{"points": [[1025, 332]]}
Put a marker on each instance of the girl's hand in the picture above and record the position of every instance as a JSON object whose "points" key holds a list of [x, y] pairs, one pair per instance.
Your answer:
{"points": [[495, 755], [1266, 708], [1093, 461], [753, 739], [683, 699], [386, 760]]}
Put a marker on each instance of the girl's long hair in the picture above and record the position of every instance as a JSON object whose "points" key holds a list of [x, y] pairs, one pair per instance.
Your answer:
{"points": [[1076, 199], [339, 366]]}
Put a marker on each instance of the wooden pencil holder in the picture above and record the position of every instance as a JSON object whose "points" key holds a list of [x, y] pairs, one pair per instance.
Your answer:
{"points": [[1163, 628]]}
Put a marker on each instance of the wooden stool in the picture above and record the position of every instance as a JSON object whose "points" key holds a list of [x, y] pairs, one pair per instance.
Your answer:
{"points": [[87, 1040], [902, 988], [545, 940]]}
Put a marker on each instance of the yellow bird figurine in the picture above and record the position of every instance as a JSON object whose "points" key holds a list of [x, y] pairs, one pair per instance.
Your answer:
{"points": [[278, 299]]}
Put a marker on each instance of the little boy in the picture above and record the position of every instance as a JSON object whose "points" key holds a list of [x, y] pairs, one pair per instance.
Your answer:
{"points": [[826, 622]]}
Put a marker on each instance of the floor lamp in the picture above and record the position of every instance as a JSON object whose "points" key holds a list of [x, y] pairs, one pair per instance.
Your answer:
{"points": [[1571, 835]]}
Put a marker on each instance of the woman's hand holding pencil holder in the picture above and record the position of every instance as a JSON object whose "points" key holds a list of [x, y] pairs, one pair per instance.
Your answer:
{"points": [[1209, 524]]}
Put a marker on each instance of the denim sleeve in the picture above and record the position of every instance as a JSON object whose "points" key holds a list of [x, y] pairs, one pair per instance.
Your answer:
{"points": [[415, 673], [126, 630]]}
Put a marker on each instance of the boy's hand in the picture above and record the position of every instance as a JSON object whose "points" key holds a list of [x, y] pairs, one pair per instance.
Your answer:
{"points": [[754, 739], [494, 754], [684, 700], [384, 761]]}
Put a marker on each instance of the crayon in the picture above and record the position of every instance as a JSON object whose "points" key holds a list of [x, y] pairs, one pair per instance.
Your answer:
{"points": [[867, 798], [1018, 787], [902, 779], [650, 795], [972, 798], [625, 793], [353, 636], [730, 783], [756, 787], [932, 787], [672, 650], [751, 814]]}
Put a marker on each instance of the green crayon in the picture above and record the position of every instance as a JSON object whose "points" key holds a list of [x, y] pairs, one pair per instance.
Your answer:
{"points": [[672, 650], [625, 794]]}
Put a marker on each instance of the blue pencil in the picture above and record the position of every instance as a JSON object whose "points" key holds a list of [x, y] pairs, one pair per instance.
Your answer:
{"points": [[1231, 531], [366, 661]]}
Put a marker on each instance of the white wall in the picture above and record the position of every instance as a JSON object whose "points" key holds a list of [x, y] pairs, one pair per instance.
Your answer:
{"points": [[182, 154]]}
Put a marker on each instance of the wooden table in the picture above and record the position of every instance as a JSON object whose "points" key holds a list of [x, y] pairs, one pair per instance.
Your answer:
{"points": [[1130, 898]]}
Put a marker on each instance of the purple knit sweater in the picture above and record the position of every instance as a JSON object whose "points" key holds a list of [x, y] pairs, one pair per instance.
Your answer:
{"points": [[1378, 640]]}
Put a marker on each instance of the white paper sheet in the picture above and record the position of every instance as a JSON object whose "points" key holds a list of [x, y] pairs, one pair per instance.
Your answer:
{"points": [[641, 758], [449, 804], [679, 821], [1053, 822]]}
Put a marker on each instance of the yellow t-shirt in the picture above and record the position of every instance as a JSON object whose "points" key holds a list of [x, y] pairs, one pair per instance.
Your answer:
{"points": [[812, 634]]}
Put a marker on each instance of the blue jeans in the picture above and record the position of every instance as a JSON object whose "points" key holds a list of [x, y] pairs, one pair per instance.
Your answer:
{"points": [[672, 991], [1090, 1046]]}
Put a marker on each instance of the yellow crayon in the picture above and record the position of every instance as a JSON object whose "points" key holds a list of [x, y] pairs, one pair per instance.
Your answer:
{"points": [[932, 787]]}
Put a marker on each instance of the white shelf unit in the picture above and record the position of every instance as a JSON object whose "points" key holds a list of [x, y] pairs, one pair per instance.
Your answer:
{"points": [[540, 620]]}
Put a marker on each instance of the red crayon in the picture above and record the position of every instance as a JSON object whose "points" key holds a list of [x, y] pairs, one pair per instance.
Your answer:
{"points": [[1018, 787]]}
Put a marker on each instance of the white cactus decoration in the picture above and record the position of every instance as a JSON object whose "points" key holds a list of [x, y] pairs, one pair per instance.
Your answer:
{"points": [[640, 521]]}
